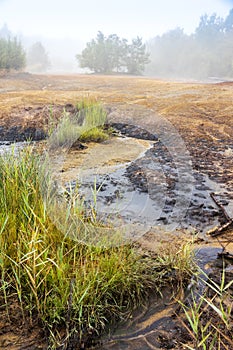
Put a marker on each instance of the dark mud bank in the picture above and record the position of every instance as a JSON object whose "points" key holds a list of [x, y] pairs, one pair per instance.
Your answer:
{"points": [[32, 123], [19, 134]]}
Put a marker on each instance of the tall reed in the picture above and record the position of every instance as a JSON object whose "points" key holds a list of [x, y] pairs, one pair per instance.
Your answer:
{"points": [[208, 317]]}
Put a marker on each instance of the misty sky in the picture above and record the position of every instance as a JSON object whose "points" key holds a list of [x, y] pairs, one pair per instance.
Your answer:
{"points": [[128, 18]]}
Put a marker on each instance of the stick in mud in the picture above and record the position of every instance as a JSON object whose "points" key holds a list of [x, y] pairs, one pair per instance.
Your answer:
{"points": [[217, 231]]}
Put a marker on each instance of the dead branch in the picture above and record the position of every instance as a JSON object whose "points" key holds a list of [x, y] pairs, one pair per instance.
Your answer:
{"points": [[217, 231], [228, 218], [226, 255]]}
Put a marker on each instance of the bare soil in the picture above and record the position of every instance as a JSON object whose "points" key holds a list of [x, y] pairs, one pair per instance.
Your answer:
{"points": [[200, 114]]}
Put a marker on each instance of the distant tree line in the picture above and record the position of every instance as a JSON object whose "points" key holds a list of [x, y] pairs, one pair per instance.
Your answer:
{"points": [[112, 54], [208, 52]]}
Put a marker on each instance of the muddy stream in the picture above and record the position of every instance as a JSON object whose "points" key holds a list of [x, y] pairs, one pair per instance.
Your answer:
{"points": [[138, 182], [138, 185]]}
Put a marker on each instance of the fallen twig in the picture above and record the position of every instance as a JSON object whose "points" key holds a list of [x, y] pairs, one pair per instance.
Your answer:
{"points": [[226, 255], [217, 231], [228, 218]]}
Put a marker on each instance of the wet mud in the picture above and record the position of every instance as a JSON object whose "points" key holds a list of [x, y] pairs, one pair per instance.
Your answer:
{"points": [[154, 189], [144, 192]]}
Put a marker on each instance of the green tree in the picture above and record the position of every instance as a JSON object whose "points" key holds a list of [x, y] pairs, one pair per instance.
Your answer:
{"points": [[205, 53], [12, 54], [209, 30], [37, 58], [228, 23], [17, 56], [136, 57], [168, 52], [214, 38], [113, 54], [94, 56]]}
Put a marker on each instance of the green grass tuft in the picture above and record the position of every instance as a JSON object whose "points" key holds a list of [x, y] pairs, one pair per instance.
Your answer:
{"points": [[86, 126], [94, 135]]}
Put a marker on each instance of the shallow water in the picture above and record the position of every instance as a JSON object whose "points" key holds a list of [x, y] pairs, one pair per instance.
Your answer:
{"points": [[142, 188], [131, 182], [6, 146]]}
